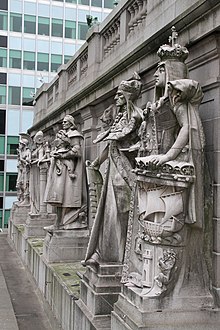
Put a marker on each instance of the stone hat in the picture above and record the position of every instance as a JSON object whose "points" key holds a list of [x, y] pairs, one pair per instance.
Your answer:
{"points": [[70, 119], [131, 87]]}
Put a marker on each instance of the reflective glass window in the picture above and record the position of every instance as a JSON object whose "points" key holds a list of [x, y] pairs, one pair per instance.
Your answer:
{"points": [[7, 215], [3, 41], [109, 4], [3, 20], [2, 121], [29, 7], [69, 49], [57, 12], [16, 5], [82, 30], [3, 78], [12, 145], [27, 119], [1, 181], [14, 79], [71, 1], [96, 3], [15, 22], [43, 46], [67, 58], [3, 57], [15, 59], [43, 26], [70, 29], [70, 14], [57, 27], [30, 24], [56, 47], [29, 61], [82, 15], [13, 122], [2, 94], [2, 144], [27, 97], [42, 62], [15, 42], [43, 10], [29, 44], [2, 165], [11, 164], [9, 200], [4, 4], [28, 80], [84, 2], [14, 95], [56, 61]]}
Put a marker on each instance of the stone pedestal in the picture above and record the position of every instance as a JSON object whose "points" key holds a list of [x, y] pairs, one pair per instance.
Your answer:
{"points": [[35, 224], [133, 311], [99, 292], [65, 245], [19, 213]]}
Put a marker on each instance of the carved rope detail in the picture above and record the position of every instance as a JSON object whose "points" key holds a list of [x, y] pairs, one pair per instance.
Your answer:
{"points": [[138, 13]]}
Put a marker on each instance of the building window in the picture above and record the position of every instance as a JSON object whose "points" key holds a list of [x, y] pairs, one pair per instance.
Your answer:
{"points": [[15, 22], [70, 29], [84, 2], [2, 165], [4, 4], [71, 1], [56, 61], [3, 78], [11, 179], [42, 62], [57, 27], [14, 96], [83, 28], [27, 98], [44, 26], [29, 61], [27, 119], [2, 121], [109, 4], [12, 145], [3, 57], [30, 24], [13, 122], [7, 215], [67, 58], [3, 41], [2, 145], [96, 3], [2, 94], [3, 20], [15, 59], [1, 181]]}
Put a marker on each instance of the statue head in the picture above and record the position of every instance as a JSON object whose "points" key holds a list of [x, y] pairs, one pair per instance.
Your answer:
{"points": [[25, 140], [171, 65], [128, 90], [39, 138], [69, 122]]}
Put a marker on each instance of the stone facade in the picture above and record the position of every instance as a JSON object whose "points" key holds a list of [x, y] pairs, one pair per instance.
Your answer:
{"points": [[125, 42]]}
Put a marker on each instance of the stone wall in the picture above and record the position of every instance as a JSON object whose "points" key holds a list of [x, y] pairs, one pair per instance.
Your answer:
{"points": [[125, 42]]}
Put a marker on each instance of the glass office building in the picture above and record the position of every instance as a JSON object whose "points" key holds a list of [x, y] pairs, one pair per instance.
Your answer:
{"points": [[36, 37]]}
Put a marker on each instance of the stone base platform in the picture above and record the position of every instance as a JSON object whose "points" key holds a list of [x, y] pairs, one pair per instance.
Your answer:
{"points": [[19, 213], [35, 224], [65, 245], [99, 292], [135, 312]]}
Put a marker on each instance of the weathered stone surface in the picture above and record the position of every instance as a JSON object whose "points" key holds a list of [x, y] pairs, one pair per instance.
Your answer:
{"points": [[35, 223]]}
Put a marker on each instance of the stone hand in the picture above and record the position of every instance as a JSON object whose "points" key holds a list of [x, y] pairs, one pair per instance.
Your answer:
{"points": [[159, 160]]}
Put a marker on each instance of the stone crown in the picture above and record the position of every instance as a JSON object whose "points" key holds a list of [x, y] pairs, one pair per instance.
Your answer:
{"points": [[175, 52]]}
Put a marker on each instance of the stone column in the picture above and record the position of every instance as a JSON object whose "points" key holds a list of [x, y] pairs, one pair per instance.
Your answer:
{"points": [[43, 181]]}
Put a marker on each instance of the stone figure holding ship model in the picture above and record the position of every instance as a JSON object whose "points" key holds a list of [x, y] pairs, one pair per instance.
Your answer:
{"points": [[165, 229]]}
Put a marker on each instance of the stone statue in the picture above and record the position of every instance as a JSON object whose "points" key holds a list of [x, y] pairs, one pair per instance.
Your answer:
{"points": [[36, 157], [24, 159], [107, 241], [66, 188], [165, 224]]}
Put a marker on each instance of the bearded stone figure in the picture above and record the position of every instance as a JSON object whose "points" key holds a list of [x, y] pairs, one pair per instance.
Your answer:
{"points": [[107, 241], [66, 186]]}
